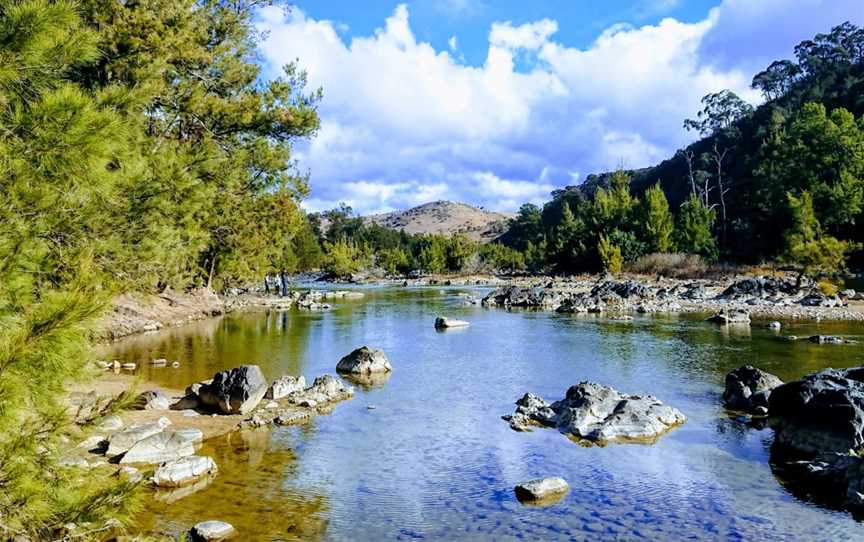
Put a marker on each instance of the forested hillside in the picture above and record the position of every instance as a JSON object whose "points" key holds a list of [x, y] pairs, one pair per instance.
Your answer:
{"points": [[733, 192], [139, 149]]}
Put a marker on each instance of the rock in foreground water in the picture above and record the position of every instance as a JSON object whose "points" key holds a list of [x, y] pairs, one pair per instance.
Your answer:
{"points": [[210, 531], [822, 412], [364, 360], [442, 322], [236, 391], [598, 414], [184, 471], [748, 389], [542, 489]]}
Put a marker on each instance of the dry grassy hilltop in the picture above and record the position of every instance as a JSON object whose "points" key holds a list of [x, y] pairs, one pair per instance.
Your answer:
{"points": [[446, 217]]}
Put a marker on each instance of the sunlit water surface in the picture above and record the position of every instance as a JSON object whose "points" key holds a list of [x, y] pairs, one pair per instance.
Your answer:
{"points": [[434, 461]]}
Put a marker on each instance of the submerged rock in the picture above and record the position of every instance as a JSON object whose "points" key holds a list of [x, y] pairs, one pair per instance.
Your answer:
{"points": [[541, 489], [737, 316], [828, 339], [822, 412], [236, 391], [442, 322], [210, 531], [748, 389], [285, 385], [364, 360], [184, 471], [598, 414]]}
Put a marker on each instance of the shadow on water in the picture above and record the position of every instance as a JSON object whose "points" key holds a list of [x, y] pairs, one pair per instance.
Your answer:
{"points": [[434, 460]]}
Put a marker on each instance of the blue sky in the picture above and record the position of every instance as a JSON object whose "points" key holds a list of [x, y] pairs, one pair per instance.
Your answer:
{"points": [[496, 103]]}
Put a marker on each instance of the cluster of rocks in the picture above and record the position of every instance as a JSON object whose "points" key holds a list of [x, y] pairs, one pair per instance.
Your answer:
{"points": [[597, 414], [765, 295], [307, 299], [818, 424], [239, 391]]}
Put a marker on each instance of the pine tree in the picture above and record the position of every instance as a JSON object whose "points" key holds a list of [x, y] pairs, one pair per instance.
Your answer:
{"points": [[657, 220], [695, 221], [807, 247], [59, 174], [610, 255]]}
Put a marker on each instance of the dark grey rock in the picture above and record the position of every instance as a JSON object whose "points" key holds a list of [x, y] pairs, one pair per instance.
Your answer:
{"points": [[236, 391], [748, 388], [822, 412]]}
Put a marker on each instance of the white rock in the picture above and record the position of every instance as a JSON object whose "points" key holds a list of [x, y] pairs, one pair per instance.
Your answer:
{"points": [[212, 530], [285, 385], [181, 472], [164, 446], [110, 424], [128, 366], [541, 488], [122, 441], [160, 361], [364, 360], [442, 322]]}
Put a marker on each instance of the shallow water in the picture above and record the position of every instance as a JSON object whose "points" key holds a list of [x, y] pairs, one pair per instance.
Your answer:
{"points": [[434, 461]]}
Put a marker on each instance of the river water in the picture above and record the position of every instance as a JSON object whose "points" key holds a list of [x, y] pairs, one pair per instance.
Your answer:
{"points": [[434, 461]]}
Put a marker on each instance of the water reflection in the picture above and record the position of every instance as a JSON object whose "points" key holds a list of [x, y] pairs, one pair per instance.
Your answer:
{"points": [[434, 460]]}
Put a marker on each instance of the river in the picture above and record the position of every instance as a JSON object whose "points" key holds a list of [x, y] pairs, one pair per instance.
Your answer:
{"points": [[434, 461]]}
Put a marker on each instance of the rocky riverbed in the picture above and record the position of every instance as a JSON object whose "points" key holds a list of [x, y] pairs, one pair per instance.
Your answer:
{"points": [[764, 297], [153, 438]]}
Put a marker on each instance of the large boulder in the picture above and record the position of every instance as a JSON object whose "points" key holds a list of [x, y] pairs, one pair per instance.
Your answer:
{"points": [[236, 391], [599, 414], [284, 386], [364, 360], [122, 441], [748, 389], [822, 412], [183, 471], [164, 446]]}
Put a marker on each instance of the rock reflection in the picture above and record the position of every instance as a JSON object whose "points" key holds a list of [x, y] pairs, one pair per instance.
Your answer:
{"points": [[253, 491], [368, 381]]}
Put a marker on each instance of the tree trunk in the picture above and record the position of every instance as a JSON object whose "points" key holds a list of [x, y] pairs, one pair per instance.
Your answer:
{"points": [[210, 274]]}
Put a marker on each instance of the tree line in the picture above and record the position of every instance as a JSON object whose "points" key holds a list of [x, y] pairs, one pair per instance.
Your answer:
{"points": [[780, 182]]}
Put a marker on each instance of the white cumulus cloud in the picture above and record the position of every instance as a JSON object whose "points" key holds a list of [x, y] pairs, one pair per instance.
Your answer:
{"points": [[404, 123]]}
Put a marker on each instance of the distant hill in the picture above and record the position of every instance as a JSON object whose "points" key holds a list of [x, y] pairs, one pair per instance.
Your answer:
{"points": [[446, 217]]}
